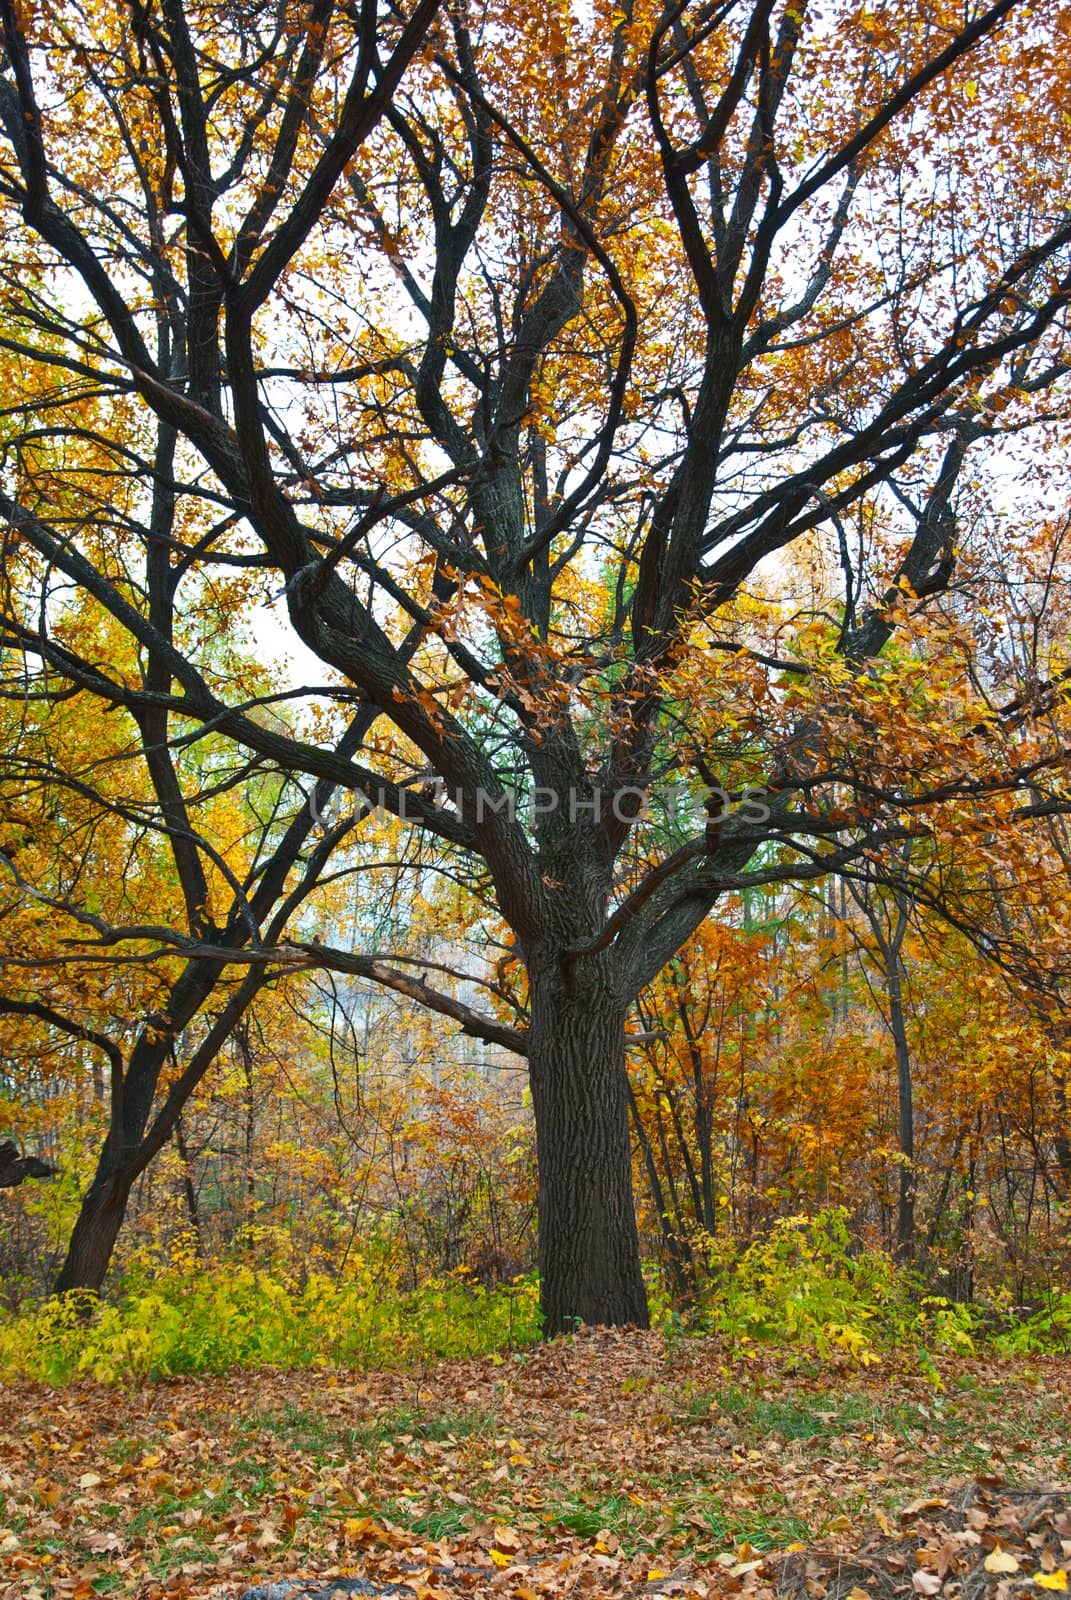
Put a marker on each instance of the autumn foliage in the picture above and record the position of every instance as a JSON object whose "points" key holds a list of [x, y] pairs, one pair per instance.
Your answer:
{"points": [[534, 542]]}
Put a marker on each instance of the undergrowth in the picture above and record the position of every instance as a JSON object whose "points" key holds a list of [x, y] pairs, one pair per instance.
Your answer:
{"points": [[807, 1284], [186, 1320], [805, 1287]]}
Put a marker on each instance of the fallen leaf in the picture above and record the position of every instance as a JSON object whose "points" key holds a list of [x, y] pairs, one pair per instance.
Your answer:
{"points": [[102, 1543], [933, 1503]]}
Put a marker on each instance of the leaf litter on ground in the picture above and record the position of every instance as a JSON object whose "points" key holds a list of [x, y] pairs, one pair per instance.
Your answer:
{"points": [[612, 1463]]}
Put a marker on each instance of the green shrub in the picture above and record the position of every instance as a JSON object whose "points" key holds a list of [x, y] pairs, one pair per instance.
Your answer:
{"points": [[806, 1284], [189, 1321], [1048, 1330]]}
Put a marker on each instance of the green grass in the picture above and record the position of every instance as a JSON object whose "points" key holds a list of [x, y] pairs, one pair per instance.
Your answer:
{"points": [[162, 1511], [294, 1426], [680, 1505], [434, 1425], [446, 1523], [615, 1513], [821, 1416], [699, 1520], [772, 1532], [123, 1450], [310, 1433], [695, 1457]]}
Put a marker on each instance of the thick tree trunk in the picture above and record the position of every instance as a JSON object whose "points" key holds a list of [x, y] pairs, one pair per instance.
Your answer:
{"points": [[94, 1234], [589, 1253]]}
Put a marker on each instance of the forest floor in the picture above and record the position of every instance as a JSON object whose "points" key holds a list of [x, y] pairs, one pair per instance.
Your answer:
{"points": [[610, 1464]]}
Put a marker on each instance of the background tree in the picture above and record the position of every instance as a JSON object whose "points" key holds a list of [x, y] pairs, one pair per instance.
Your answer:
{"points": [[888, 926], [85, 855]]}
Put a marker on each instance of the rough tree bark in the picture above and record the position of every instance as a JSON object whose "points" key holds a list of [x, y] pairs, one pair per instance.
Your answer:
{"points": [[96, 1229], [589, 1253]]}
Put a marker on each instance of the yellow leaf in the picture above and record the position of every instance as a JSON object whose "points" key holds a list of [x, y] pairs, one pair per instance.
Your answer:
{"points": [[999, 1560], [500, 1558], [1051, 1580], [365, 1529]]}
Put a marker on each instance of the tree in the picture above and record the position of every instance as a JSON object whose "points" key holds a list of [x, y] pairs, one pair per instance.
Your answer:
{"points": [[707, 1018], [84, 852], [511, 348], [888, 925]]}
